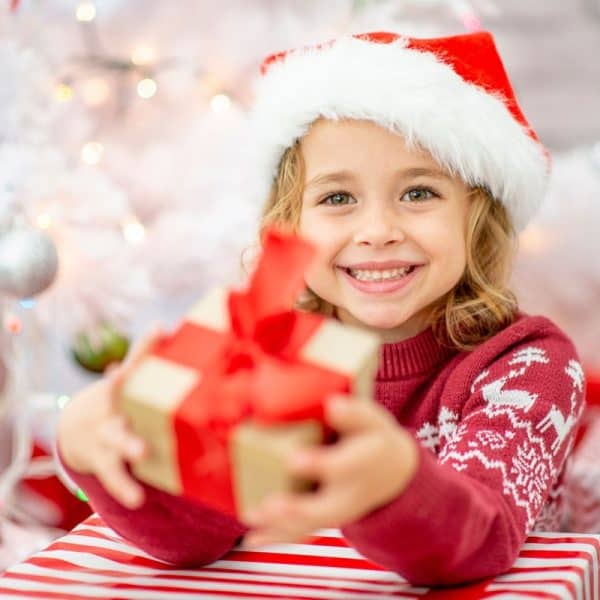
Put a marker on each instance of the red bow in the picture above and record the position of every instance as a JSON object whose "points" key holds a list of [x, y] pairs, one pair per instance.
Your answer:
{"points": [[254, 370]]}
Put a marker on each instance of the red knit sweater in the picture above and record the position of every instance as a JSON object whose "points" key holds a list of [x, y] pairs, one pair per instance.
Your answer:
{"points": [[494, 425]]}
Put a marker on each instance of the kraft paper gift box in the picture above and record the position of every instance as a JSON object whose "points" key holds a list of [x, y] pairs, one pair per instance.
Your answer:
{"points": [[241, 384]]}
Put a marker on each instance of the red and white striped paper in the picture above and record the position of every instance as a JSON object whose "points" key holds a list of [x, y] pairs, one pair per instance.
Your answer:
{"points": [[94, 562]]}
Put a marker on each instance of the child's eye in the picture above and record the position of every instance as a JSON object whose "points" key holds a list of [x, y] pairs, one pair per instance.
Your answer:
{"points": [[419, 194], [337, 199]]}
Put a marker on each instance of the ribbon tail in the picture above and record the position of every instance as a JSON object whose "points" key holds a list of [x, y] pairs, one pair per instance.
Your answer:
{"points": [[279, 276]]}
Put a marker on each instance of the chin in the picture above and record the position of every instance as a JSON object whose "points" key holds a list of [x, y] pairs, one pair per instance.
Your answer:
{"points": [[380, 321]]}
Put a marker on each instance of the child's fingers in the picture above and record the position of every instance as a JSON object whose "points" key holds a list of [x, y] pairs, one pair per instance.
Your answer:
{"points": [[347, 415], [115, 436], [113, 475], [330, 463]]}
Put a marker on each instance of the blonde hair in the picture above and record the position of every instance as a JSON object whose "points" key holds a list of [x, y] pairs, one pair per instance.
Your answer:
{"points": [[480, 305]]}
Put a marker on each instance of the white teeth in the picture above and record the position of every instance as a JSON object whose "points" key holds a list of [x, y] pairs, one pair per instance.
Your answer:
{"points": [[381, 275]]}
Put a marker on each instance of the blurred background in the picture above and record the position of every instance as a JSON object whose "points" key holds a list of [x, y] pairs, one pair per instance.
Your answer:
{"points": [[123, 150]]}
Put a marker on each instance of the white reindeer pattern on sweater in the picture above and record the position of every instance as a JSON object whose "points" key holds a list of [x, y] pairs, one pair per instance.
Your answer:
{"points": [[516, 437]]}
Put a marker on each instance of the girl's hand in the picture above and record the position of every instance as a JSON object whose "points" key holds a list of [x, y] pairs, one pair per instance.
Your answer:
{"points": [[372, 462], [93, 436]]}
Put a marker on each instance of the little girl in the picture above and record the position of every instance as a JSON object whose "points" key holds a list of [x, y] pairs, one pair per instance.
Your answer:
{"points": [[409, 164]]}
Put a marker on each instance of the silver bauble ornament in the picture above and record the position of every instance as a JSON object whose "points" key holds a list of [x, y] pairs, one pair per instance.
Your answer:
{"points": [[28, 262]]}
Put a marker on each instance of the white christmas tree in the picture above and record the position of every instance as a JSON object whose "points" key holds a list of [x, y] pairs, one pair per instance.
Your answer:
{"points": [[122, 135]]}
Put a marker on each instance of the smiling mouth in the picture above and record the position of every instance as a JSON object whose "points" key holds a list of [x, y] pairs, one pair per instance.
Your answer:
{"points": [[378, 275]]}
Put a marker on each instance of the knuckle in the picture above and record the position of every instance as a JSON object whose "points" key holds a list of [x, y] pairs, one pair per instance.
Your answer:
{"points": [[328, 468], [119, 423], [104, 431]]}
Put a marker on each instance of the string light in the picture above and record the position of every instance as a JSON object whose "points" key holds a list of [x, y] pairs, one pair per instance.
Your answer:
{"points": [[12, 323], [220, 103], [133, 231], [63, 92], [146, 88], [92, 153], [85, 12], [44, 221], [81, 495], [143, 55]]}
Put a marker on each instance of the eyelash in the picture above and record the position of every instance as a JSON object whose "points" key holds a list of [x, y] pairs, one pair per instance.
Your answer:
{"points": [[414, 189]]}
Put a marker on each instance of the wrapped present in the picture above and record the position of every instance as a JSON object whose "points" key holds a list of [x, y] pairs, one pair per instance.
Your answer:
{"points": [[95, 562], [241, 383]]}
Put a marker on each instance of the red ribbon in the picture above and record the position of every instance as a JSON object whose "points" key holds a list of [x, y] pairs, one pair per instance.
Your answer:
{"points": [[252, 370]]}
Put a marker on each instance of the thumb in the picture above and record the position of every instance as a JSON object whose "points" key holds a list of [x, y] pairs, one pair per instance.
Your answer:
{"points": [[347, 414]]}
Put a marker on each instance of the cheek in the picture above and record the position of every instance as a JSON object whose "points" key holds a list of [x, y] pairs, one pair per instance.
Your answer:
{"points": [[315, 230], [321, 234], [444, 243]]}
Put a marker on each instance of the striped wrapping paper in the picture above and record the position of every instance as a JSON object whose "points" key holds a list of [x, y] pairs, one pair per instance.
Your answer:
{"points": [[93, 562]]}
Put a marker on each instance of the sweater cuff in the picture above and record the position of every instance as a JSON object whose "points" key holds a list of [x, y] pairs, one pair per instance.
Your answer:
{"points": [[171, 528], [419, 500], [444, 528]]}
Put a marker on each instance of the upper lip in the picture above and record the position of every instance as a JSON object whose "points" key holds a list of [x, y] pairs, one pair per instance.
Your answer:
{"points": [[384, 265]]}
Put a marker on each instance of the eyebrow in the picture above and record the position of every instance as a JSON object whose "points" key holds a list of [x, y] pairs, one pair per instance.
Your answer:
{"points": [[342, 176]]}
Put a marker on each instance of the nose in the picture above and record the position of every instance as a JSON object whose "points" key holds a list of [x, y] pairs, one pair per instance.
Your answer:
{"points": [[378, 227]]}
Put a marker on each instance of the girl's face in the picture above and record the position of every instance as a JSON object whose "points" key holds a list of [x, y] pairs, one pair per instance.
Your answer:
{"points": [[389, 224]]}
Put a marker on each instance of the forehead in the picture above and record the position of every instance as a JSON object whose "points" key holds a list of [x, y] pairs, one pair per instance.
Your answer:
{"points": [[355, 146], [354, 141]]}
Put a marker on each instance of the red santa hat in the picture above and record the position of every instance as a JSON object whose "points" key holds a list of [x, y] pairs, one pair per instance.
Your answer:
{"points": [[450, 96]]}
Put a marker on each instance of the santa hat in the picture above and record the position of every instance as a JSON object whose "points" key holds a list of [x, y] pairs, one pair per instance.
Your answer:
{"points": [[450, 96]]}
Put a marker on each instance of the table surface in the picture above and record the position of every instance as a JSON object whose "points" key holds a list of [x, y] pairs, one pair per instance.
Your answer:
{"points": [[92, 561]]}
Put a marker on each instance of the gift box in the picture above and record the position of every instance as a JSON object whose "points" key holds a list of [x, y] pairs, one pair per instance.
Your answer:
{"points": [[241, 383], [94, 562]]}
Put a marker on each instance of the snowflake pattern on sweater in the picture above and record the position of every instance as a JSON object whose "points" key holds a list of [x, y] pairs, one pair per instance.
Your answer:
{"points": [[516, 432], [532, 473]]}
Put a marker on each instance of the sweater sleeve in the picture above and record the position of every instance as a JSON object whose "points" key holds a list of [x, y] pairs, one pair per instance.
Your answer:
{"points": [[170, 528], [466, 513]]}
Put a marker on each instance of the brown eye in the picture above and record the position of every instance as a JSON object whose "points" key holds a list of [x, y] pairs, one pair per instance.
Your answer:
{"points": [[337, 199], [418, 195]]}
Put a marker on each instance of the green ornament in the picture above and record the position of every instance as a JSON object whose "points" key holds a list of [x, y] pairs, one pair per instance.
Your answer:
{"points": [[95, 350]]}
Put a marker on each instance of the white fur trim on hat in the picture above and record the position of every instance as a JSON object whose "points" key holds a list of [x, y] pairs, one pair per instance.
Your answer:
{"points": [[468, 131]]}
